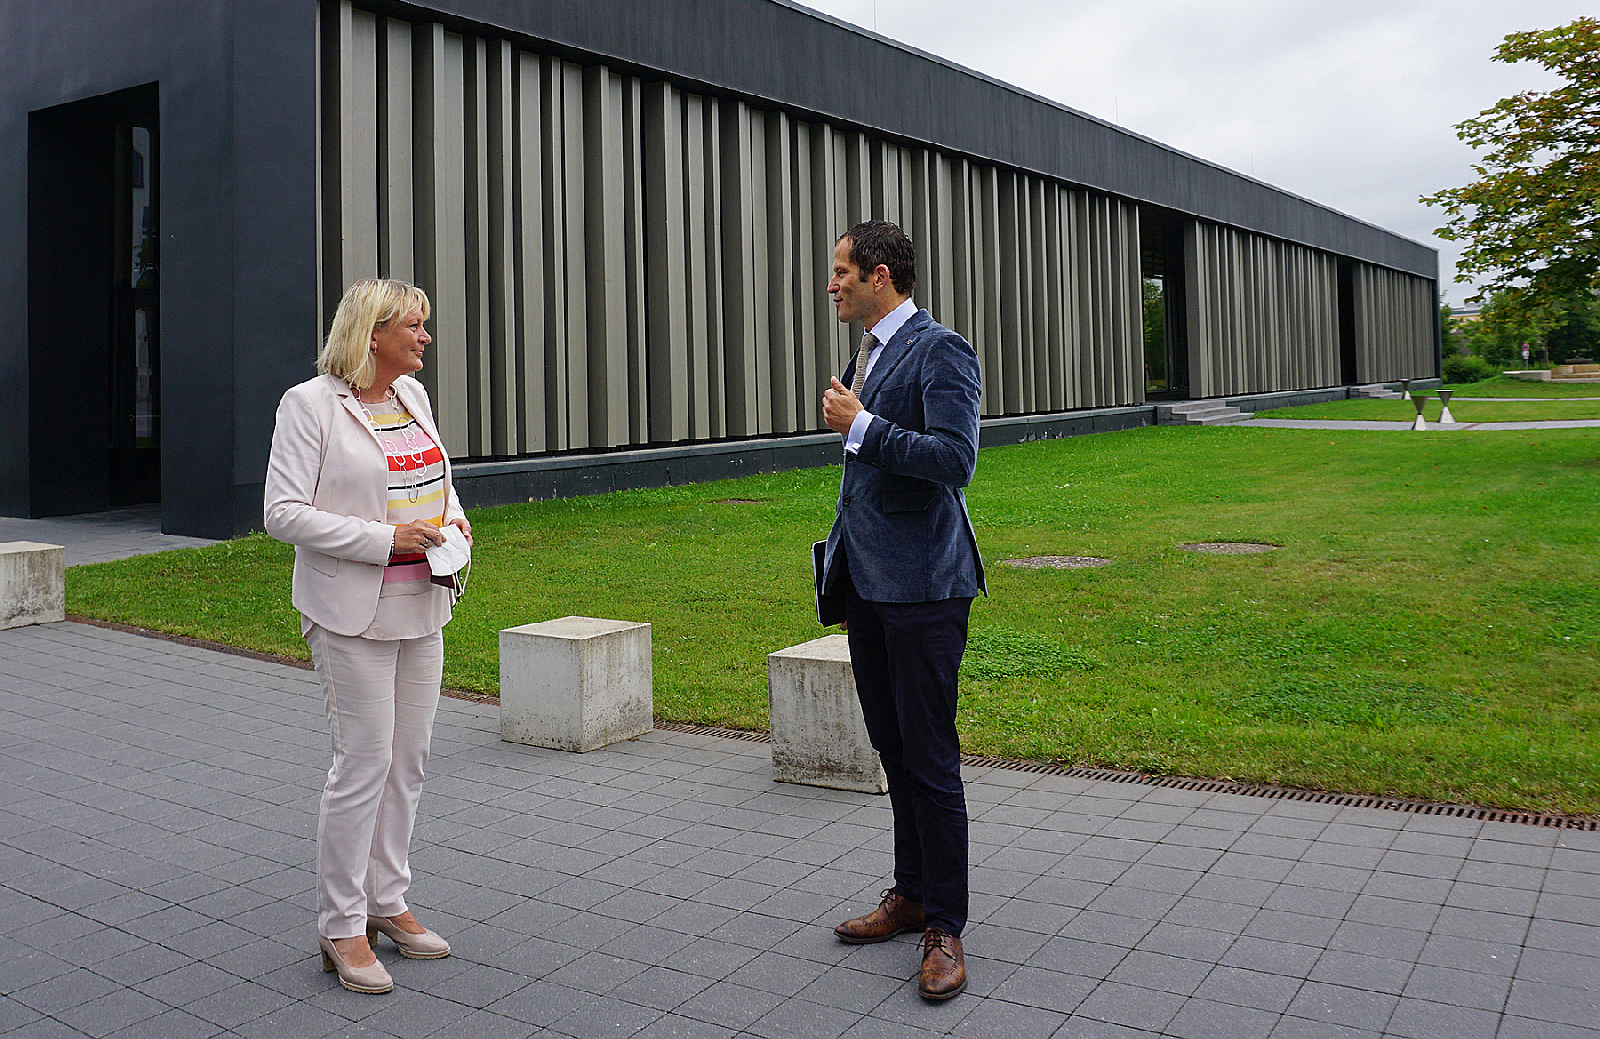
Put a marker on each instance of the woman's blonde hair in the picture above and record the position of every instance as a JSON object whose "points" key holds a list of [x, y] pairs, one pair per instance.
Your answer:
{"points": [[367, 306]]}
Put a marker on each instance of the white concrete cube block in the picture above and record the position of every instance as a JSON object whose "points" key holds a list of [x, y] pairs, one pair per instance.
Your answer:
{"points": [[33, 583], [575, 683], [818, 736]]}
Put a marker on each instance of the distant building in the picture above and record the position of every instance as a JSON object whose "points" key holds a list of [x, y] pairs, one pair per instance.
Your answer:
{"points": [[622, 210]]}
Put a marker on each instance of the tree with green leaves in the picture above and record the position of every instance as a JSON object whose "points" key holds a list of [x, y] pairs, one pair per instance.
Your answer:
{"points": [[1569, 330], [1576, 334], [1502, 329], [1450, 339], [1530, 223]]}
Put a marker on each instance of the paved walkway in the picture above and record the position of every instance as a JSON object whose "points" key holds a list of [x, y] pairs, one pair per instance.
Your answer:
{"points": [[157, 823], [100, 536]]}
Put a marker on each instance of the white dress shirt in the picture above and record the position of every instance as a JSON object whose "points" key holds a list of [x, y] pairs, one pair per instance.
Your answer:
{"points": [[883, 331]]}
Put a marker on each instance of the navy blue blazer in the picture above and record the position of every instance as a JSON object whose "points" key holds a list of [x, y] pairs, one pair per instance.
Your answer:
{"points": [[901, 520]]}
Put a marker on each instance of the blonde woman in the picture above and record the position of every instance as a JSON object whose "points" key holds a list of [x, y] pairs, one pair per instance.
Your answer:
{"points": [[359, 483]]}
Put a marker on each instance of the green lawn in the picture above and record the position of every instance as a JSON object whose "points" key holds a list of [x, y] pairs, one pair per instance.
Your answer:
{"points": [[1503, 386], [1427, 627], [1528, 402], [1460, 410]]}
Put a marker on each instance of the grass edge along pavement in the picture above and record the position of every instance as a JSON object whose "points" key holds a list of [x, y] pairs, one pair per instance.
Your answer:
{"points": [[1468, 412], [1425, 629], [1500, 399]]}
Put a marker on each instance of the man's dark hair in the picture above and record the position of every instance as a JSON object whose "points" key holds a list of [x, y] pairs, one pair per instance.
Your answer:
{"points": [[877, 241]]}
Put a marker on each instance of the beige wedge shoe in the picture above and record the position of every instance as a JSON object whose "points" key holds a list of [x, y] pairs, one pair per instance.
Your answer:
{"points": [[356, 979], [424, 946]]}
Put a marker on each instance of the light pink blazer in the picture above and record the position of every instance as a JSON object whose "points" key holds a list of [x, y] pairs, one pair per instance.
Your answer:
{"points": [[328, 496]]}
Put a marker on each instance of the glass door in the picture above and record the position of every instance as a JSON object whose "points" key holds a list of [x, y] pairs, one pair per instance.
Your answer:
{"points": [[136, 324]]}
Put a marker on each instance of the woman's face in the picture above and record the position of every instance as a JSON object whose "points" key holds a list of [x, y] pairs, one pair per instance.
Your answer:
{"points": [[397, 347]]}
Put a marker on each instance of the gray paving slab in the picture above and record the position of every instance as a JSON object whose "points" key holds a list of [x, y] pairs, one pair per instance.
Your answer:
{"points": [[156, 871], [157, 822]]}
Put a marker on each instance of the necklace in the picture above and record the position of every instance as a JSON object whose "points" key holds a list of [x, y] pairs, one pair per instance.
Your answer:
{"points": [[387, 397], [410, 453]]}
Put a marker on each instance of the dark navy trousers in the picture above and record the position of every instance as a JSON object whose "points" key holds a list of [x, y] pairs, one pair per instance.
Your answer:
{"points": [[906, 657]]}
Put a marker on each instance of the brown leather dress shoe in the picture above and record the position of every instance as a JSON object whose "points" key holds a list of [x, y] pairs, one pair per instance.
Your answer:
{"points": [[894, 915], [944, 968]]}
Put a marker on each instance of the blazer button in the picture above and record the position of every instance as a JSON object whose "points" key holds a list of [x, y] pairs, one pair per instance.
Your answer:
{"points": [[844, 500]]}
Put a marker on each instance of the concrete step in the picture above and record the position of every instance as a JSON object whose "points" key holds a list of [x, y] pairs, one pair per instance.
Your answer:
{"points": [[1198, 413], [1374, 391]]}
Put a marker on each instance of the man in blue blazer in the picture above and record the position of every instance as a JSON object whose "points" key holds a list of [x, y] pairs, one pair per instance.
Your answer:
{"points": [[903, 556]]}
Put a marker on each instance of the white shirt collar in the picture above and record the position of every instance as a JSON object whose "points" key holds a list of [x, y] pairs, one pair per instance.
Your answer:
{"points": [[885, 329]]}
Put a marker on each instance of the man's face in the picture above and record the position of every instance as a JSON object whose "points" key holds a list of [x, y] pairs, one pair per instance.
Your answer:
{"points": [[853, 298]]}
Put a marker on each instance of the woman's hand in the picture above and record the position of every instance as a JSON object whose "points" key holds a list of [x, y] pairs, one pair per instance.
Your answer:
{"points": [[416, 536], [466, 529]]}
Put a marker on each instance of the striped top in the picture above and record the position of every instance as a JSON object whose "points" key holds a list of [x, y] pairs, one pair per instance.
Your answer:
{"points": [[409, 606]]}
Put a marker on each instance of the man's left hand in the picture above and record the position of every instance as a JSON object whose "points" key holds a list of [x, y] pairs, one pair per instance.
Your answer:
{"points": [[839, 407]]}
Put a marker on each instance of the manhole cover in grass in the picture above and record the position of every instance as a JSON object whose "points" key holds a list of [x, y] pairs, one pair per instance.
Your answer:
{"points": [[1228, 548], [1058, 562]]}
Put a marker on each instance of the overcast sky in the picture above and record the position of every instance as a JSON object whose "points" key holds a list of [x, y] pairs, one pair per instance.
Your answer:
{"points": [[1350, 103]]}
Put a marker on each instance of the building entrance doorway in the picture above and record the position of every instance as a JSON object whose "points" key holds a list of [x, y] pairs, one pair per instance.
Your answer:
{"points": [[94, 327], [1166, 356]]}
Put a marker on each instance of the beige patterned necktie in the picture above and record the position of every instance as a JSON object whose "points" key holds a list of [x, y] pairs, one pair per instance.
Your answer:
{"points": [[867, 342]]}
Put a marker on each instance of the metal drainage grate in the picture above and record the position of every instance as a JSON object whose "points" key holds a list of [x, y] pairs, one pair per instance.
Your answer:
{"points": [[1222, 786], [746, 735]]}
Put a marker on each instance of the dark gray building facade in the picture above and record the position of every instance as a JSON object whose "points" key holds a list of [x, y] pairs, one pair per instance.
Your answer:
{"points": [[622, 211]]}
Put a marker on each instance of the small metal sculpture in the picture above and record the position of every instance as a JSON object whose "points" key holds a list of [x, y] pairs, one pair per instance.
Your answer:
{"points": [[1445, 418]]}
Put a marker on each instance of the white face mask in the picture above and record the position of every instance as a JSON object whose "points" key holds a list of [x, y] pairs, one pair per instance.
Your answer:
{"points": [[451, 554]]}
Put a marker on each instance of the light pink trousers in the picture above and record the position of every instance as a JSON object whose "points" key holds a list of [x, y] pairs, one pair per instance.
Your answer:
{"points": [[381, 697]]}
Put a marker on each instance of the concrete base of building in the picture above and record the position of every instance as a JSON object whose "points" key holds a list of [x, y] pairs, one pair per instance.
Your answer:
{"points": [[505, 482]]}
